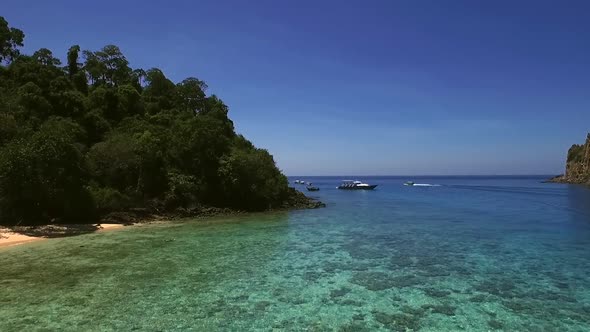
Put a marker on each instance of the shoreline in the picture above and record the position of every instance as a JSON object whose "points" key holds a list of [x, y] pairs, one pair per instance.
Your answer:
{"points": [[565, 180], [18, 235], [14, 236], [10, 237]]}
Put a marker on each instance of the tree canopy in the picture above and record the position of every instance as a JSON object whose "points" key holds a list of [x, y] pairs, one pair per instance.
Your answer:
{"points": [[95, 136]]}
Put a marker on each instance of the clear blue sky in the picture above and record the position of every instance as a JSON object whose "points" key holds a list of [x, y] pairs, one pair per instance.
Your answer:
{"points": [[361, 87]]}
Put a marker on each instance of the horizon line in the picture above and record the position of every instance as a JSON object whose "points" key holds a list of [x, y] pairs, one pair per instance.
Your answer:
{"points": [[429, 175]]}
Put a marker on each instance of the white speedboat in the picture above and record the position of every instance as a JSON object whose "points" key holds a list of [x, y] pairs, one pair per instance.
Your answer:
{"points": [[355, 185]]}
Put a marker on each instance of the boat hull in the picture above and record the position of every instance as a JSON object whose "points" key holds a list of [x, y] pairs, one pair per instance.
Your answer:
{"points": [[370, 187]]}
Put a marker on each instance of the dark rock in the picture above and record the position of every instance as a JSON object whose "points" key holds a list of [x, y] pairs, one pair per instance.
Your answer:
{"points": [[354, 327], [398, 322], [412, 311], [351, 303], [297, 200], [374, 281], [406, 281], [479, 298], [339, 292], [496, 325], [262, 305], [499, 287], [444, 309], [432, 292], [358, 317]]}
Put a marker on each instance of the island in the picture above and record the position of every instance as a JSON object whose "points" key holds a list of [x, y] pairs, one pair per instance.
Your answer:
{"points": [[577, 169], [94, 139]]}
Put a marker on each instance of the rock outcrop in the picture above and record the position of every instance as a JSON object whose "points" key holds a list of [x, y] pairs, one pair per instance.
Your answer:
{"points": [[577, 169]]}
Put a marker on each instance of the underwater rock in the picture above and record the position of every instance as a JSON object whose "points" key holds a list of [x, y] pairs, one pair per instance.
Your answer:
{"points": [[434, 273], [499, 287], [551, 296], [354, 327], [242, 297], [401, 261], [351, 303], [398, 322], [496, 325], [312, 275], [406, 281], [375, 281], [562, 285], [479, 298], [413, 311], [339, 292], [519, 306], [262, 305], [433, 292], [358, 317], [444, 309], [362, 251]]}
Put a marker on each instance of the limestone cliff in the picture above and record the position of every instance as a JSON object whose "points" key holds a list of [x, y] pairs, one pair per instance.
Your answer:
{"points": [[577, 169]]}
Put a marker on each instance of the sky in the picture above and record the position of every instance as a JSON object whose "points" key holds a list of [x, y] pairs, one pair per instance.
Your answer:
{"points": [[361, 87]]}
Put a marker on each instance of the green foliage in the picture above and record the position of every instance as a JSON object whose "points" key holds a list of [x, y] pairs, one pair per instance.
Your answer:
{"points": [[8, 128], [10, 40], [42, 177], [251, 181], [98, 136], [575, 153], [108, 199]]}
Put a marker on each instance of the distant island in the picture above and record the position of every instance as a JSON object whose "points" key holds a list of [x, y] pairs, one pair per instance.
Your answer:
{"points": [[577, 169], [82, 141]]}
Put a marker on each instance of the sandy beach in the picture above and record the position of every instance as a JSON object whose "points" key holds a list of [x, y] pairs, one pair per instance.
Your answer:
{"points": [[15, 236]]}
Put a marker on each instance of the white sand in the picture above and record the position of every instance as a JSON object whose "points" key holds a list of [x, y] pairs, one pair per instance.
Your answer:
{"points": [[11, 238]]}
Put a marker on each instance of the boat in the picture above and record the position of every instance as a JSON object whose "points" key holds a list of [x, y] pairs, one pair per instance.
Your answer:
{"points": [[411, 183], [312, 188], [355, 185]]}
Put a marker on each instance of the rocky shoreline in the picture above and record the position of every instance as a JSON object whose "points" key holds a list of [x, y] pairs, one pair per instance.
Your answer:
{"points": [[296, 201], [577, 168]]}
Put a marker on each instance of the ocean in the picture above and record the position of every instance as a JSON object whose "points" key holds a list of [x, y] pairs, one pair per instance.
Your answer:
{"points": [[475, 254]]}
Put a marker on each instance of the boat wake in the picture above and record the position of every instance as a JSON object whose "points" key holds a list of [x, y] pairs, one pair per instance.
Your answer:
{"points": [[425, 185]]}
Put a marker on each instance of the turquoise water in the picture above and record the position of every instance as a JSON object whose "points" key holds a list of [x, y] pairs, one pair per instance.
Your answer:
{"points": [[477, 254]]}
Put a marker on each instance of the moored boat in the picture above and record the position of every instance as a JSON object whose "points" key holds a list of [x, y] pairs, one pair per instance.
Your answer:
{"points": [[312, 188], [355, 185]]}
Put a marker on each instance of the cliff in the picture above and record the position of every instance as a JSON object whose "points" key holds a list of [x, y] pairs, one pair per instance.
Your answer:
{"points": [[577, 169]]}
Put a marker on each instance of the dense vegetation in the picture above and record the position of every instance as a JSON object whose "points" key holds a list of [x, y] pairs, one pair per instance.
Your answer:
{"points": [[575, 153], [91, 136]]}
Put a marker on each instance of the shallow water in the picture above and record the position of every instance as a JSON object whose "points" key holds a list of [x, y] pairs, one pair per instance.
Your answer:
{"points": [[475, 254]]}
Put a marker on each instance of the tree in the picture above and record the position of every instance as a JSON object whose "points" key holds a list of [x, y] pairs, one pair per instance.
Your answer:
{"points": [[159, 92], [8, 128], [250, 179], [10, 40], [191, 95], [116, 66], [73, 54], [103, 137], [45, 57], [42, 177]]}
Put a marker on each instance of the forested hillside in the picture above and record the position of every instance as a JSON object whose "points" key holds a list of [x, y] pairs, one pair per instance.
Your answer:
{"points": [[92, 135]]}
